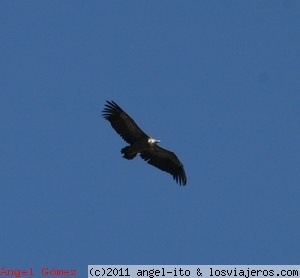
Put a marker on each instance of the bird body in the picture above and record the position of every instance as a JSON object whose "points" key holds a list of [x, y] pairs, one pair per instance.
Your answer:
{"points": [[143, 144], [139, 146]]}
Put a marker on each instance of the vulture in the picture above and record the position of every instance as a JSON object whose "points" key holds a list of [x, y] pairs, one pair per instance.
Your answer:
{"points": [[141, 143]]}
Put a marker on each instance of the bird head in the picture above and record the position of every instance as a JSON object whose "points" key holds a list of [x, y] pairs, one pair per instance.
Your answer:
{"points": [[153, 141]]}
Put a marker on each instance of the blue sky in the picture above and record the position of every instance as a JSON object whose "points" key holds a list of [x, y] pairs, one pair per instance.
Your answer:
{"points": [[216, 81]]}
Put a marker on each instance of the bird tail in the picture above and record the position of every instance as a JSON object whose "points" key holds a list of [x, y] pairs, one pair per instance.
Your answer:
{"points": [[127, 153]]}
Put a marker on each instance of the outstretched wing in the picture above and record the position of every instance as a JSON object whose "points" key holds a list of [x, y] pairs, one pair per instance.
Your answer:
{"points": [[166, 161], [122, 123]]}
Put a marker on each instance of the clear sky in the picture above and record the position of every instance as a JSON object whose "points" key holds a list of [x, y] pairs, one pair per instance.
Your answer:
{"points": [[218, 82]]}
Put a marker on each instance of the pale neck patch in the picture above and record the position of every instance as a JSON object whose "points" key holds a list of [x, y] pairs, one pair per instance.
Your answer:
{"points": [[153, 141]]}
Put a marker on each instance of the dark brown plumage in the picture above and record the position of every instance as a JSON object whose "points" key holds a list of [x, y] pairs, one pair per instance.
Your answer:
{"points": [[143, 144]]}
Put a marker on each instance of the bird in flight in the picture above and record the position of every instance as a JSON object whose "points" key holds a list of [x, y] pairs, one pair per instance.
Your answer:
{"points": [[141, 143]]}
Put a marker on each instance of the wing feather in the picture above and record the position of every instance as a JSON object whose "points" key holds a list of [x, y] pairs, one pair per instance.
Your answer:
{"points": [[122, 123], [166, 161]]}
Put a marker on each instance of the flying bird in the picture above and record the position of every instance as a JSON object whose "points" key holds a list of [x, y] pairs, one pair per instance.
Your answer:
{"points": [[143, 144]]}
